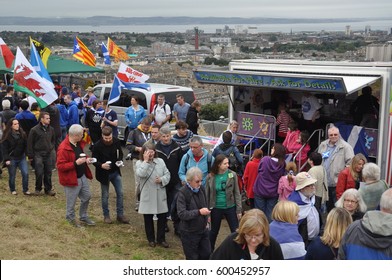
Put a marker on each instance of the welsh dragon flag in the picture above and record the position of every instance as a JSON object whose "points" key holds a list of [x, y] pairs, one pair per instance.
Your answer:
{"points": [[27, 80]]}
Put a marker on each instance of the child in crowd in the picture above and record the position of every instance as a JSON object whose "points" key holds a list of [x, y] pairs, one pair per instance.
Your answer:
{"points": [[287, 182], [283, 119], [318, 172]]}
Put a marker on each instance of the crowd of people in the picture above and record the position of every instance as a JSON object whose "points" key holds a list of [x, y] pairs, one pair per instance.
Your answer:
{"points": [[339, 208]]}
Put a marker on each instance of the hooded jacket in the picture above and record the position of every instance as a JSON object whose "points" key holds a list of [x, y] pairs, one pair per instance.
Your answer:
{"points": [[73, 113], [270, 171], [369, 238]]}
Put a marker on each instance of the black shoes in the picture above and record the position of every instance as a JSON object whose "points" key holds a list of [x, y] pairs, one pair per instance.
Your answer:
{"points": [[151, 244]]}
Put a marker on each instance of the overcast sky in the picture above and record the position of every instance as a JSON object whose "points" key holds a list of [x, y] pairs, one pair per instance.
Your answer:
{"points": [[200, 8]]}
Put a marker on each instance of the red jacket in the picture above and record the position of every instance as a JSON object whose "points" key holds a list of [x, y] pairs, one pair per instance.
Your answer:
{"points": [[250, 175], [66, 164], [345, 181]]}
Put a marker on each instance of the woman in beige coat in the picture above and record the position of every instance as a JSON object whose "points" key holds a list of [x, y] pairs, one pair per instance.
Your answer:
{"points": [[154, 176], [317, 171]]}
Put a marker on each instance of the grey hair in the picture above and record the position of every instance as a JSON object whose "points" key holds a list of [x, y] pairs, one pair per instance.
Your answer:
{"points": [[196, 139], [192, 173], [371, 171], [6, 104], [75, 129], [356, 195], [386, 201], [164, 130], [333, 127]]}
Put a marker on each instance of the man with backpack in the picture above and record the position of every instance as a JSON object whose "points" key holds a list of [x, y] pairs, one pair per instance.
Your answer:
{"points": [[196, 156], [231, 151], [162, 112]]}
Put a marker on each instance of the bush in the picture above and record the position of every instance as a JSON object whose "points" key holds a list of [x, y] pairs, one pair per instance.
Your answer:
{"points": [[212, 112]]}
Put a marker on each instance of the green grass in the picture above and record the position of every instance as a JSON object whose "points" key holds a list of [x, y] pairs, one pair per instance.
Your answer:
{"points": [[34, 228]]}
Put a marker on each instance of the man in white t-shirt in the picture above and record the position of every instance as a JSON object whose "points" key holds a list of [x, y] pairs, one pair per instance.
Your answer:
{"points": [[162, 112], [311, 115]]}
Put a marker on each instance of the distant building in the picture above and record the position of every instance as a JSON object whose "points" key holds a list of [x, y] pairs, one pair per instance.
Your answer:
{"points": [[379, 52]]}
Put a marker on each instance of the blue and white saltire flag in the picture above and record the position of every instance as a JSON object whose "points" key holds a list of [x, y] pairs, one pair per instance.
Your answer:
{"points": [[36, 62], [118, 85], [356, 137], [105, 54]]}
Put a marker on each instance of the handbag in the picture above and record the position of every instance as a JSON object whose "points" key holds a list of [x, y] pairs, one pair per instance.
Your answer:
{"points": [[245, 201]]}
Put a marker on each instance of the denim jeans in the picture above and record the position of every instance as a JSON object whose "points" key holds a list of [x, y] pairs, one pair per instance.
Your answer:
{"points": [[266, 205], [216, 218], [22, 164], [115, 179]]}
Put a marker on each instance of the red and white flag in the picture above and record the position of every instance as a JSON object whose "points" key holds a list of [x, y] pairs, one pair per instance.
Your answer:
{"points": [[129, 75], [6, 53], [27, 80]]}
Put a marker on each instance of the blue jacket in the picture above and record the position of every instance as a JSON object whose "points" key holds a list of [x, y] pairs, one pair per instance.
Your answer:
{"points": [[133, 117], [73, 113], [189, 160], [369, 238], [63, 115]]}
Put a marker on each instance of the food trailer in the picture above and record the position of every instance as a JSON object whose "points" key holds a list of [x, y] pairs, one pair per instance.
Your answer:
{"points": [[256, 86]]}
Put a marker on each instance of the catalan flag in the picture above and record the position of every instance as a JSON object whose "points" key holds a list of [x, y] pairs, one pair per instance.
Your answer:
{"points": [[116, 52], [81, 52], [8, 56], [44, 52]]}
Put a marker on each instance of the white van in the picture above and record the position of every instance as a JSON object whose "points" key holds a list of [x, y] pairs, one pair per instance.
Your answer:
{"points": [[147, 99]]}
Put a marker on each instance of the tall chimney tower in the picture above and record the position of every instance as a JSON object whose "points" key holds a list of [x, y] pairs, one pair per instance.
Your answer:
{"points": [[196, 38]]}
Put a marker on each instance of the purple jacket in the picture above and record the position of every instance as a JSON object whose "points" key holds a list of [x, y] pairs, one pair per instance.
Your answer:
{"points": [[266, 184]]}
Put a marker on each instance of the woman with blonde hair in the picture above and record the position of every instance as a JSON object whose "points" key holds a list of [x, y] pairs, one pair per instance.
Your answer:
{"points": [[351, 176], [284, 229], [250, 242], [352, 201], [287, 183], [326, 247]]}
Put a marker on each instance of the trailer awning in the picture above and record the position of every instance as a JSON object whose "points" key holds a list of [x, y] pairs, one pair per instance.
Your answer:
{"points": [[303, 82]]}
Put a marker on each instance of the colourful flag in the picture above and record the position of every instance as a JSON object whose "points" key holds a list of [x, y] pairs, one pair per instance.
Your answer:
{"points": [[129, 75], [27, 80], [43, 51], [117, 52], [81, 52], [37, 63], [6, 53], [105, 54], [118, 85]]}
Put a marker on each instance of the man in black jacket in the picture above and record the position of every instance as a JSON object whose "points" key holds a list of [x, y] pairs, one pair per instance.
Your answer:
{"points": [[171, 153], [193, 213], [109, 155], [41, 148]]}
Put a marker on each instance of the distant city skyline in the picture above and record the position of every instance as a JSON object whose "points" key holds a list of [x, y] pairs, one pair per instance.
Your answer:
{"points": [[201, 8]]}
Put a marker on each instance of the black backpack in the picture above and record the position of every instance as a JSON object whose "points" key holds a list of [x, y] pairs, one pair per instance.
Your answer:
{"points": [[164, 108]]}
